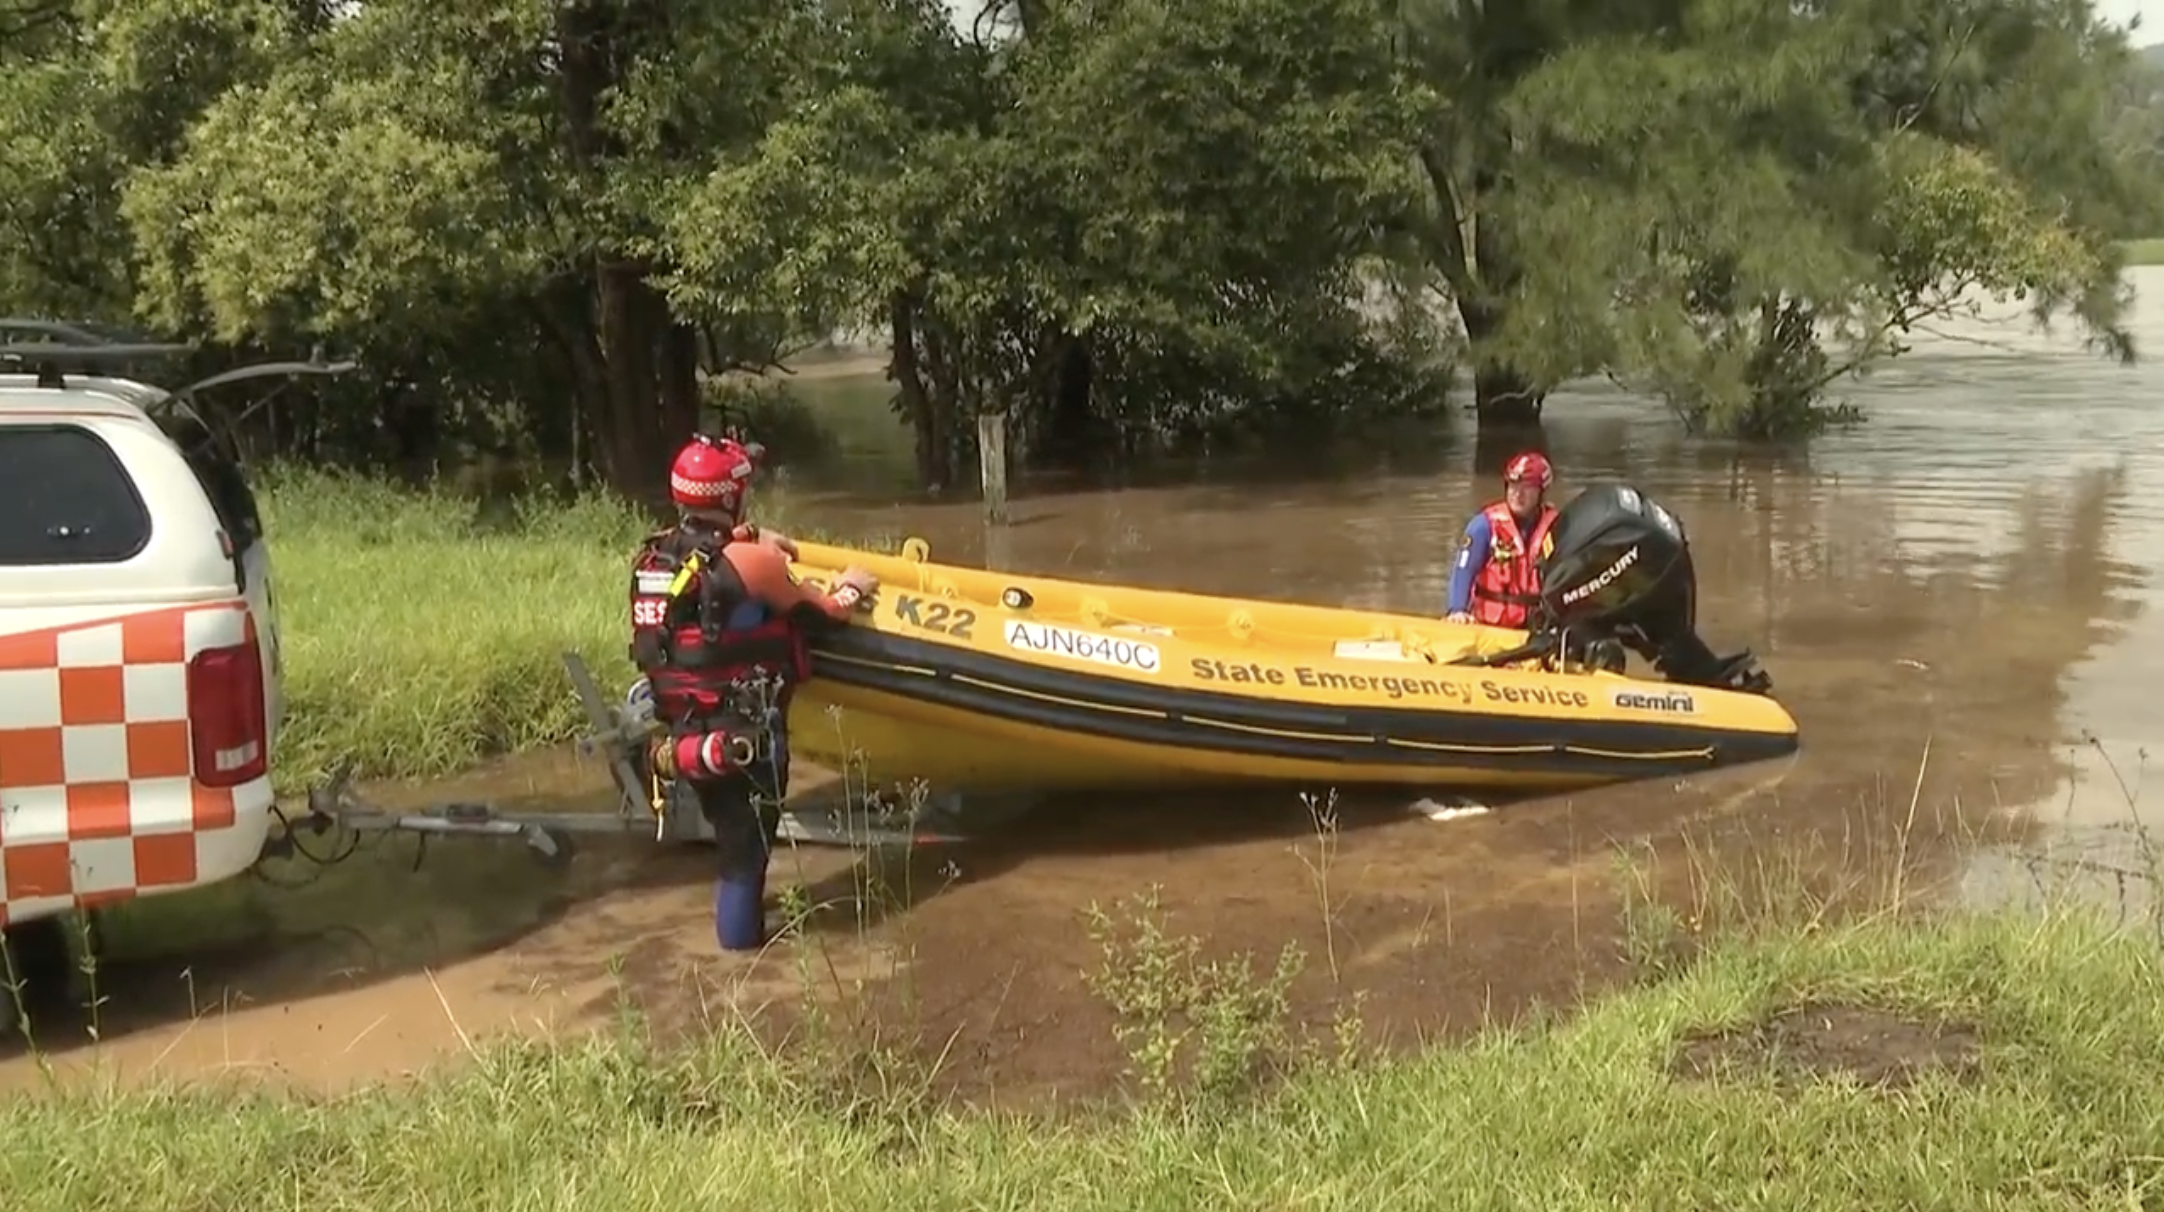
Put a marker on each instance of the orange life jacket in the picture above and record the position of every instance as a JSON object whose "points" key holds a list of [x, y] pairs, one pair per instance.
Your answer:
{"points": [[1510, 580]]}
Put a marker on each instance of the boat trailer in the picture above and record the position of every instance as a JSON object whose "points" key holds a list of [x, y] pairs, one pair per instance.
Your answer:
{"points": [[831, 816]]}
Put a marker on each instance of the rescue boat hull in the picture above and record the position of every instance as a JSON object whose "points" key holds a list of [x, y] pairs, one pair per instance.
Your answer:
{"points": [[977, 681]]}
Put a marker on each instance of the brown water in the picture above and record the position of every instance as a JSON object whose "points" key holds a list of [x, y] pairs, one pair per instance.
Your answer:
{"points": [[1973, 570], [1948, 599]]}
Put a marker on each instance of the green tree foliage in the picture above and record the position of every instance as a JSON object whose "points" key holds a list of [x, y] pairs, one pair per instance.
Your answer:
{"points": [[1129, 225], [1737, 203], [2136, 98]]}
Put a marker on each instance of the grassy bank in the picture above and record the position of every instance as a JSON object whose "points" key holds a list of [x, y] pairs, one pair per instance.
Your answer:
{"points": [[1988, 1061], [422, 634]]}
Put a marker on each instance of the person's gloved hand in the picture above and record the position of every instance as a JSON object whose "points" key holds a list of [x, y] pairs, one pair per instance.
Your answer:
{"points": [[856, 585], [1458, 616]]}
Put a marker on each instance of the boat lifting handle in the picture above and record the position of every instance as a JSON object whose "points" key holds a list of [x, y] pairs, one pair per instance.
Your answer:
{"points": [[917, 551]]}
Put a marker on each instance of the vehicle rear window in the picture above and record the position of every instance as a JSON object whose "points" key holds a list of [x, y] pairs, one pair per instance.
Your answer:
{"points": [[65, 498]]}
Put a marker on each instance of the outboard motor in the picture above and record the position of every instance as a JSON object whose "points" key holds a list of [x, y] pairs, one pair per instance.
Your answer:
{"points": [[1621, 568], [1620, 573]]}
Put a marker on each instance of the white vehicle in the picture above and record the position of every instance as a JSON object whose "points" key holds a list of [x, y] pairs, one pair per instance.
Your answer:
{"points": [[141, 688], [140, 680]]}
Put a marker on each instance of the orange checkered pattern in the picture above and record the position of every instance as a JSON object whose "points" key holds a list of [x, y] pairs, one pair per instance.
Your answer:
{"points": [[98, 800]]}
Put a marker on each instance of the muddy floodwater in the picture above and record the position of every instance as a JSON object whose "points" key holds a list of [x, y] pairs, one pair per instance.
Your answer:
{"points": [[1955, 600]]}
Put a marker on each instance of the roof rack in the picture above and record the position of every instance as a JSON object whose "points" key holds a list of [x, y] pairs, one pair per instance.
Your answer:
{"points": [[83, 344]]}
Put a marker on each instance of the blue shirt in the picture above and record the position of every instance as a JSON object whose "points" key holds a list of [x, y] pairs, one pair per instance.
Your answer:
{"points": [[1473, 549]]}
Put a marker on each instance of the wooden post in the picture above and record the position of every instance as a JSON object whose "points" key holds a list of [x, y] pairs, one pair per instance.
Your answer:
{"points": [[998, 548], [992, 465]]}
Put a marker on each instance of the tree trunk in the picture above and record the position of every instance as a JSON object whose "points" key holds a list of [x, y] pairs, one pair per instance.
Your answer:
{"points": [[566, 315], [1503, 396], [1506, 399], [628, 315], [416, 432], [631, 430], [680, 401], [918, 405], [1070, 432]]}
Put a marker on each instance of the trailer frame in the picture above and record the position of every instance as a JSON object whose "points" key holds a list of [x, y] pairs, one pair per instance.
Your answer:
{"points": [[644, 804]]}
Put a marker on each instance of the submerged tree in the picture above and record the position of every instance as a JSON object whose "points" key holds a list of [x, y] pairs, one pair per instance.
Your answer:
{"points": [[1135, 225], [1738, 203]]}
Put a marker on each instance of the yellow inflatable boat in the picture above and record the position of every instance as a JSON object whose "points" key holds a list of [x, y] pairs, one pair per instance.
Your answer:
{"points": [[975, 680]]}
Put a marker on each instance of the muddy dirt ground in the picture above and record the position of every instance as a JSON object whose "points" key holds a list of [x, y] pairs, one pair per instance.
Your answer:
{"points": [[374, 967], [369, 967]]}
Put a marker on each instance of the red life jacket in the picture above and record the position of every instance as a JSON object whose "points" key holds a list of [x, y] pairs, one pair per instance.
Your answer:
{"points": [[702, 645], [1510, 581]]}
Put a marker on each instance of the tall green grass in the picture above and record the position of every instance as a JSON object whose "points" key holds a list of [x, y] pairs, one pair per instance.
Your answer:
{"points": [[423, 632], [2055, 1107]]}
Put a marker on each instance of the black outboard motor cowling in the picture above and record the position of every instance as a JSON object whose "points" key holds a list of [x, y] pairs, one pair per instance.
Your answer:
{"points": [[1621, 568]]}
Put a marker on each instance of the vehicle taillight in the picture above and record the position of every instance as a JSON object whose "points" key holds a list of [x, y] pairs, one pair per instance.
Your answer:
{"points": [[226, 716]]}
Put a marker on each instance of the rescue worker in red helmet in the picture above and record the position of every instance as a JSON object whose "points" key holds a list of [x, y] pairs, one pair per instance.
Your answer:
{"points": [[1496, 577], [718, 627]]}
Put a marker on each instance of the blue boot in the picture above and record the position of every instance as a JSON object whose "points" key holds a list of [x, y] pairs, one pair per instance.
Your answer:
{"points": [[746, 825], [740, 910], [743, 847]]}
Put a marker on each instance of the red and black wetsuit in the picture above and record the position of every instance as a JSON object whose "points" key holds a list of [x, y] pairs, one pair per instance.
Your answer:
{"points": [[719, 629], [723, 666], [703, 640]]}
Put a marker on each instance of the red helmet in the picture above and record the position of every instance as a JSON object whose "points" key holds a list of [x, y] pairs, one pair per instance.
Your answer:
{"points": [[712, 474], [1532, 465]]}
